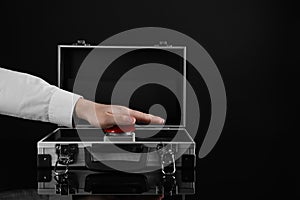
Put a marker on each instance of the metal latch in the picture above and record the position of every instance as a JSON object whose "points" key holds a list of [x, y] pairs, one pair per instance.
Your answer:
{"points": [[167, 159], [66, 155]]}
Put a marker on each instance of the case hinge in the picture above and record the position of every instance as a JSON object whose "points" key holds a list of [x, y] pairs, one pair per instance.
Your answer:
{"points": [[162, 44], [81, 43]]}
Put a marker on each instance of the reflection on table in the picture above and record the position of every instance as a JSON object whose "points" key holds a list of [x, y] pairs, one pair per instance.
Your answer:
{"points": [[86, 182]]}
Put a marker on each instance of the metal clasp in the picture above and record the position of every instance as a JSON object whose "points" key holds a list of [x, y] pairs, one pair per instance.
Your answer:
{"points": [[64, 172], [66, 155], [167, 159]]}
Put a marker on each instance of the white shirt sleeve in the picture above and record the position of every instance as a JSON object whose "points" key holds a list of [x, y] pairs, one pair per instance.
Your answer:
{"points": [[26, 96]]}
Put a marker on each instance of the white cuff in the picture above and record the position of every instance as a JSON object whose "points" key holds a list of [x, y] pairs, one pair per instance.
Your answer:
{"points": [[61, 107]]}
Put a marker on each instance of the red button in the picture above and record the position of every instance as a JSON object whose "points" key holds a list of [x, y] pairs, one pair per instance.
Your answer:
{"points": [[120, 129]]}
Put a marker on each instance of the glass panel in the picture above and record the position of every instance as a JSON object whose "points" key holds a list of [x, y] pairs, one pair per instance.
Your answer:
{"points": [[97, 135], [140, 78]]}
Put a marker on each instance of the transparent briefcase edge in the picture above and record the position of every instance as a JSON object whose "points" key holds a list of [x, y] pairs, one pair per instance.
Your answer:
{"points": [[160, 45]]}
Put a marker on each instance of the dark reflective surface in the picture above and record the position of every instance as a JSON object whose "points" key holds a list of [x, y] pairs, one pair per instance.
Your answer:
{"points": [[33, 195], [87, 182]]}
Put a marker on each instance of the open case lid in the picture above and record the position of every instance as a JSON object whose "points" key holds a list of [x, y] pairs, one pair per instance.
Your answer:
{"points": [[150, 79]]}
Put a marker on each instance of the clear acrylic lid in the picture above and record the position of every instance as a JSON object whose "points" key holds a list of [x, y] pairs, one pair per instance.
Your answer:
{"points": [[150, 79]]}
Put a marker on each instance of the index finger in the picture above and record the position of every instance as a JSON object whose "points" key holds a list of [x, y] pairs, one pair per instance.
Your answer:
{"points": [[146, 118]]}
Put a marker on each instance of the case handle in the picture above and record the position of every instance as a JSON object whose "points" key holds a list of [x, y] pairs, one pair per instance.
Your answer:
{"points": [[133, 166]]}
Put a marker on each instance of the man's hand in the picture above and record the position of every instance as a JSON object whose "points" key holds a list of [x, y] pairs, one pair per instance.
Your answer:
{"points": [[105, 116]]}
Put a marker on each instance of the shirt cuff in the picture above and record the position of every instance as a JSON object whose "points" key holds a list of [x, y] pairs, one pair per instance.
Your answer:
{"points": [[61, 107]]}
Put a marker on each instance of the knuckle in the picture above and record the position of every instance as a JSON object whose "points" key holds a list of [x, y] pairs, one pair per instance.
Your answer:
{"points": [[125, 118], [148, 116], [106, 119], [123, 108]]}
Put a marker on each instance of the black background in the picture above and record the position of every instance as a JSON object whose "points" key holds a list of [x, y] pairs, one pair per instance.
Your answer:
{"points": [[246, 39]]}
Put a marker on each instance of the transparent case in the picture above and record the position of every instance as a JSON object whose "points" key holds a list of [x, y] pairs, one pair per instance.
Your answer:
{"points": [[138, 77]]}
